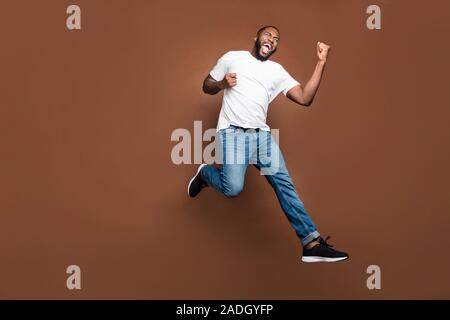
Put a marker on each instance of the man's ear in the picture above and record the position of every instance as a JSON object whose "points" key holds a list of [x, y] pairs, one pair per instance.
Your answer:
{"points": [[254, 39]]}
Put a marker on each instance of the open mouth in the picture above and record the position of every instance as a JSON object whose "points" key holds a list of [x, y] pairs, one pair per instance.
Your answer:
{"points": [[266, 48]]}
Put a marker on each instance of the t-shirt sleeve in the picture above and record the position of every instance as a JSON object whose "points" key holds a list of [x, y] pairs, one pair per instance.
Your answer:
{"points": [[220, 69], [287, 82]]}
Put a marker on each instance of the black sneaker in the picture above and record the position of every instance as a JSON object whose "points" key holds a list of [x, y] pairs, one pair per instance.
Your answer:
{"points": [[323, 252], [196, 184]]}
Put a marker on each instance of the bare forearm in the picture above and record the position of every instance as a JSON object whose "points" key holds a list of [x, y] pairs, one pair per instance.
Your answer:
{"points": [[311, 87], [211, 86]]}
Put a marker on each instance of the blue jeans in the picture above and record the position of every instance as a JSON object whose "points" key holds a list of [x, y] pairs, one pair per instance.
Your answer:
{"points": [[237, 148]]}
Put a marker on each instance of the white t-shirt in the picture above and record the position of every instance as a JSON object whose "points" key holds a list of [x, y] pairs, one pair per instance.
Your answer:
{"points": [[258, 83]]}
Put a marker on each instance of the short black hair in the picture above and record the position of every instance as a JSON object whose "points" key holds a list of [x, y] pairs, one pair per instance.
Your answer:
{"points": [[264, 28]]}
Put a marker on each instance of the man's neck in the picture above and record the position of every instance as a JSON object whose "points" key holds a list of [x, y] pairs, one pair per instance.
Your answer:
{"points": [[253, 53]]}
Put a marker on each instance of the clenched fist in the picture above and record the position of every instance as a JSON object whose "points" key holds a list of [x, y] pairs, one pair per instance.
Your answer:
{"points": [[322, 51], [229, 80]]}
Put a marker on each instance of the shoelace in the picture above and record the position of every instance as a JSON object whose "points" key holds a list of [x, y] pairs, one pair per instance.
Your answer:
{"points": [[324, 241]]}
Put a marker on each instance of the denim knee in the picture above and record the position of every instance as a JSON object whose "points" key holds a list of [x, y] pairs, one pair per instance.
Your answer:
{"points": [[233, 189]]}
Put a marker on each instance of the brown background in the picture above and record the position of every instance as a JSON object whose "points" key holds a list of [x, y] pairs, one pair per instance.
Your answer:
{"points": [[86, 176]]}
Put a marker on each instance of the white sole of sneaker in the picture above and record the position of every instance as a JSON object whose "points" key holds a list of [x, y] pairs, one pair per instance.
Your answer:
{"points": [[195, 176], [322, 259]]}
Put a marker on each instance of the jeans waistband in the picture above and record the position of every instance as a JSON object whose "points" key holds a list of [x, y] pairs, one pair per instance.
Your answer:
{"points": [[244, 129]]}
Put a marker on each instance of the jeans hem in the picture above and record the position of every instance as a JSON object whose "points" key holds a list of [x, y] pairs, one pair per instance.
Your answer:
{"points": [[310, 237]]}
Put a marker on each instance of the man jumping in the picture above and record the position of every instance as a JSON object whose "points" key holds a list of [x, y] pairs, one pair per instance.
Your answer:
{"points": [[250, 82]]}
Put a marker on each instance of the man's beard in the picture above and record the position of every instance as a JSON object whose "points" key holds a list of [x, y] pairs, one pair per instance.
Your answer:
{"points": [[258, 49]]}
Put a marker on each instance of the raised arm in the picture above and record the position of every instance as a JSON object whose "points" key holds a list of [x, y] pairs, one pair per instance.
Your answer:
{"points": [[305, 95], [212, 86]]}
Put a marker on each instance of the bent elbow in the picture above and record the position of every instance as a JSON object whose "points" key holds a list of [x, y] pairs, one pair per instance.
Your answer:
{"points": [[205, 89], [305, 103], [208, 90]]}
